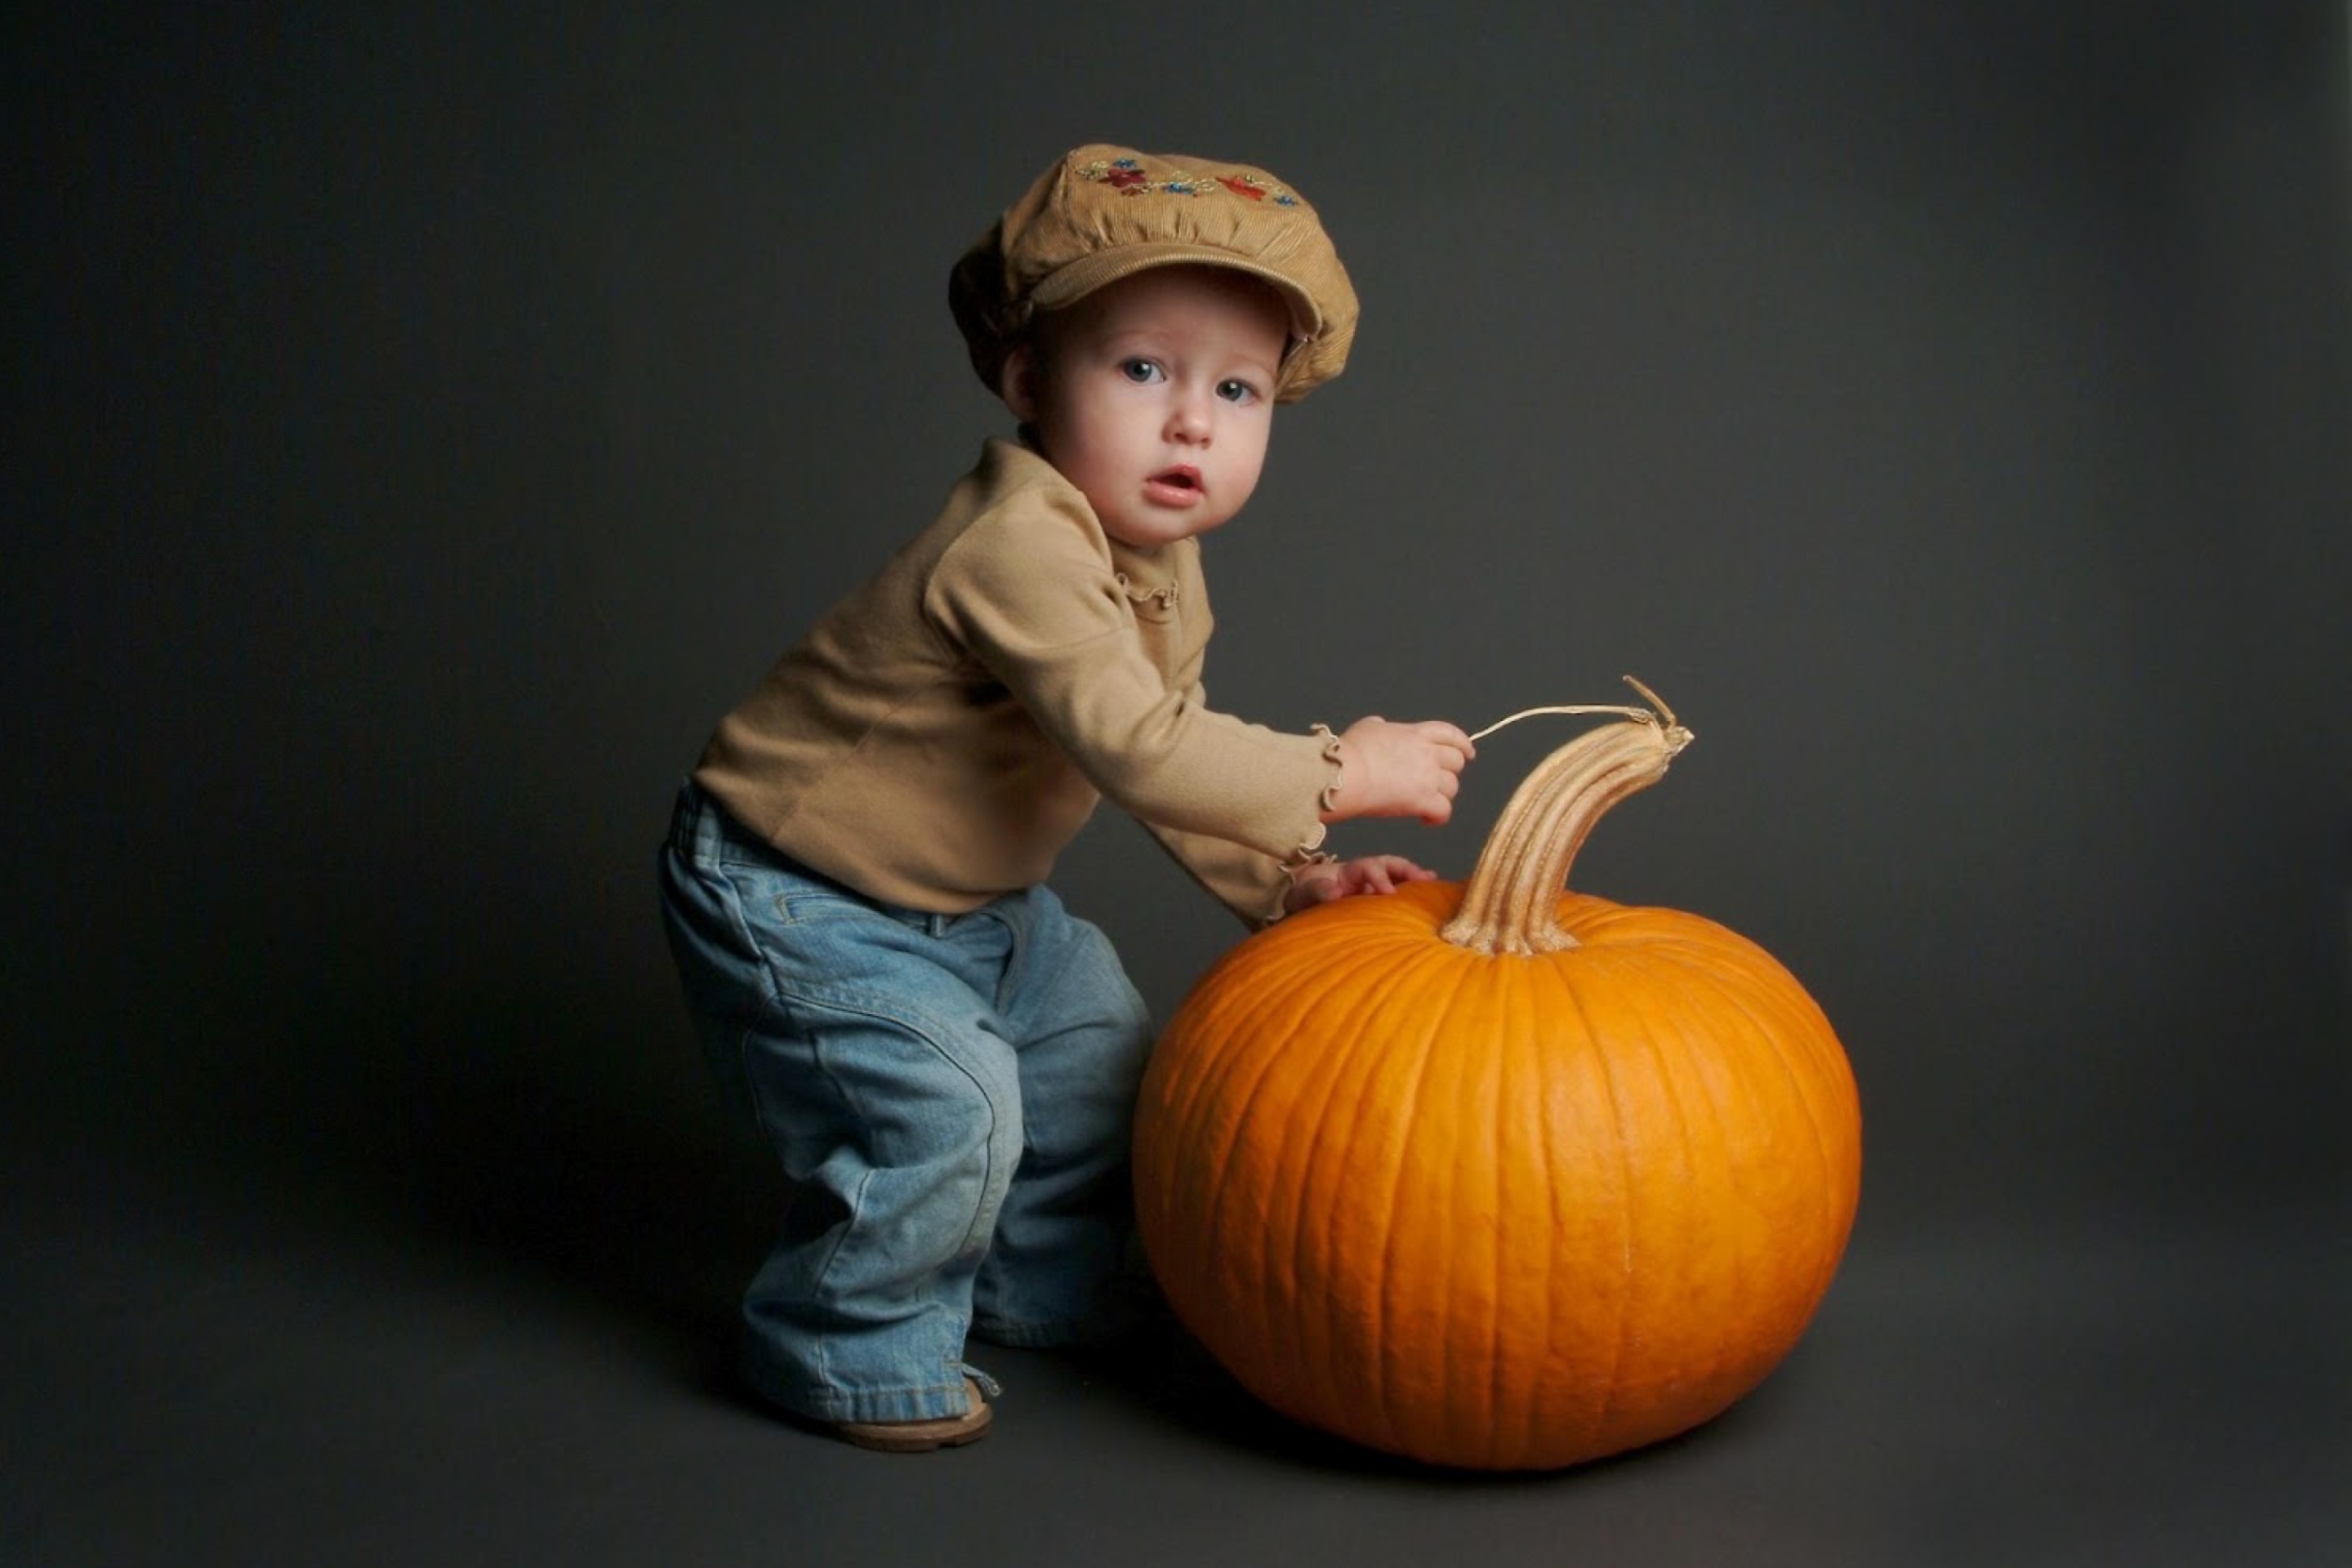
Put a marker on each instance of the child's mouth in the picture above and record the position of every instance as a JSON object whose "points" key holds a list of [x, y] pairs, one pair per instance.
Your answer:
{"points": [[1179, 486]]}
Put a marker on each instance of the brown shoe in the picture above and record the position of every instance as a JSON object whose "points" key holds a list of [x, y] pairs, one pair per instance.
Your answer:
{"points": [[921, 1436]]}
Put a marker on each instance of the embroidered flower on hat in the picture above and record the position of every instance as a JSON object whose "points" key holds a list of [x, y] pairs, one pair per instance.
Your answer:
{"points": [[1129, 178]]}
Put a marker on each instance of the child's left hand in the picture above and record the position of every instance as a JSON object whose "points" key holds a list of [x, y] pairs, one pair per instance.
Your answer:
{"points": [[1329, 880]]}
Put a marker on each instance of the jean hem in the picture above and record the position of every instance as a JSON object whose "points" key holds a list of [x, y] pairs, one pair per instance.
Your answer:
{"points": [[923, 1402]]}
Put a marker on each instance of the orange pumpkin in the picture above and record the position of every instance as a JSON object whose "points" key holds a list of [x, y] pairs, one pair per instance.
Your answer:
{"points": [[1498, 1175]]}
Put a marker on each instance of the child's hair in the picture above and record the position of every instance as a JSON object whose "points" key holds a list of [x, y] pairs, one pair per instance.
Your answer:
{"points": [[1103, 213]]}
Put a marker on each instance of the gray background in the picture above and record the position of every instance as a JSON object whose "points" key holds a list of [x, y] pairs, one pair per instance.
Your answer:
{"points": [[420, 430]]}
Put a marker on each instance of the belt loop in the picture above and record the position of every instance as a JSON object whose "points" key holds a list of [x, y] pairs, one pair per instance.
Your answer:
{"points": [[681, 816]]}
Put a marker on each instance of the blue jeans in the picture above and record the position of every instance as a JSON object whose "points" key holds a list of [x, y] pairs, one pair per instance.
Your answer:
{"points": [[950, 1097]]}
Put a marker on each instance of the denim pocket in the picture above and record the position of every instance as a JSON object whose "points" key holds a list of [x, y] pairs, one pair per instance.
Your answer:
{"points": [[802, 899], [809, 905]]}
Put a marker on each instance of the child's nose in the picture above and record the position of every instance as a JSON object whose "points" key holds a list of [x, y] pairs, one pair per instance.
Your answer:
{"points": [[1188, 419]]}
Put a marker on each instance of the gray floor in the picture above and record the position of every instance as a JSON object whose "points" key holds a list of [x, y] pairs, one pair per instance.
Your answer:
{"points": [[216, 1363]]}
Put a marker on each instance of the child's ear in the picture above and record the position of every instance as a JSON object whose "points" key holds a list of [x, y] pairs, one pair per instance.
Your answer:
{"points": [[1017, 382]]}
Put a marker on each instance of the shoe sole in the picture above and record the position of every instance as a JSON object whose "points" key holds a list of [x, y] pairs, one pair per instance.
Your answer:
{"points": [[920, 1436]]}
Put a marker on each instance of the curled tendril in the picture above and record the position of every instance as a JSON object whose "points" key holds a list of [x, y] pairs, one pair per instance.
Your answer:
{"points": [[1658, 712]]}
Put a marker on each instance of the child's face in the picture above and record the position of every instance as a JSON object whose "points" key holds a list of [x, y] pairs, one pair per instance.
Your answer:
{"points": [[1155, 396]]}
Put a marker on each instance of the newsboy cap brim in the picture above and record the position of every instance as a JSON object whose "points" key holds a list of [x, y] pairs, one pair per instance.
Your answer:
{"points": [[1104, 213]]}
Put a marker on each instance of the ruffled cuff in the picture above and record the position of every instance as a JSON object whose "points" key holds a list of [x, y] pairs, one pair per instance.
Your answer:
{"points": [[1310, 850], [1331, 798]]}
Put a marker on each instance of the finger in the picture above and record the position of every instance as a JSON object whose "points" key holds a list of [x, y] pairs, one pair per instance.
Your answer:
{"points": [[1451, 736]]}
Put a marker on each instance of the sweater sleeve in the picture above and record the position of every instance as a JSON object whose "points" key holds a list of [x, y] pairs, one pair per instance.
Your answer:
{"points": [[1031, 591], [1250, 884]]}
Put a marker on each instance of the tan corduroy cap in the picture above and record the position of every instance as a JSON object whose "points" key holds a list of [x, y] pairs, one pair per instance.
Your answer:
{"points": [[1103, 212]]}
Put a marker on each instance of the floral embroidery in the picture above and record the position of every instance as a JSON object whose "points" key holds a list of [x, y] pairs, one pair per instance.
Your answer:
{"points": [[1129, 177]]}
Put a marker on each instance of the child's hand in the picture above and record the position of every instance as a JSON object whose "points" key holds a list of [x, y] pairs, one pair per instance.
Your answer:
{"points": [[1328, 880], [1400, 770]]}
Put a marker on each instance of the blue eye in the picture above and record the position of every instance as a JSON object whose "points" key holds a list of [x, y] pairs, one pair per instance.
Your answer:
{"points": [[1141, 371], [1237, 392]]}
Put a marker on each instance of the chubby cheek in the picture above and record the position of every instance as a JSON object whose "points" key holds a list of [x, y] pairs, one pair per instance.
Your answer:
{"points": [[1096, 472], [1245, 466], [1094, 439]]}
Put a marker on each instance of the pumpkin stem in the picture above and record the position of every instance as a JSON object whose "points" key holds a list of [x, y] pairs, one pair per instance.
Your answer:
{"points": [[1511, 904]]}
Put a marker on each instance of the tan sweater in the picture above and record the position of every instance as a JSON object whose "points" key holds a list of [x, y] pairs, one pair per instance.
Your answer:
{"points": [[944, 731]]}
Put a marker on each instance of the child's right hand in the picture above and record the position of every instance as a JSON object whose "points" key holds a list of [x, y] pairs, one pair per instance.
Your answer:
{"points": [[1400, 770]]}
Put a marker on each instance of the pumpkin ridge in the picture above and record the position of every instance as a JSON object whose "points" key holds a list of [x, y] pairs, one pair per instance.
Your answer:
{"points": [[1325, 1149], [1366, 1067], [1228, 1031], [1270, 989], [1611, 1385], [1476, 1094], [1547, 1142], [1227, 986], [1329, 1148], [1658, 1023], [1241, 1143], [1558, 1383], [1491, 1087], [1517, 1395], [1664, 1034], [1768, 975], [1523, 1180], [1226, 1058], [1408, 1119], [1233, 1151], [1761, 988], [1757, 992]]}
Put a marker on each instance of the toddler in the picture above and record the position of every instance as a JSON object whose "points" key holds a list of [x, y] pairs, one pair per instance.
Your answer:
{"points": [[944, 1059]]}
